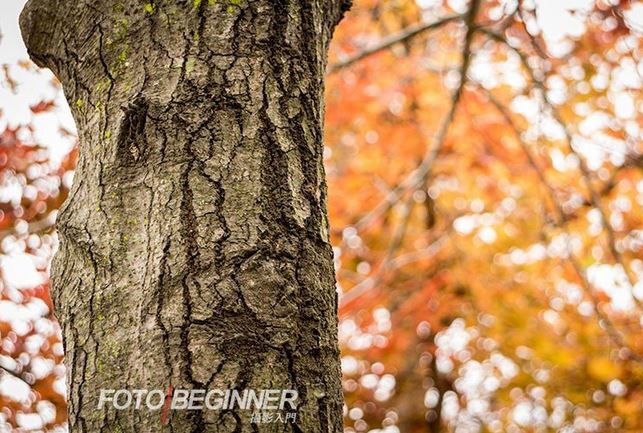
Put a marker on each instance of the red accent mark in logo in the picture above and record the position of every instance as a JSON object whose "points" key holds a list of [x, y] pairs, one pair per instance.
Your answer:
{"points": [[166, 407]]}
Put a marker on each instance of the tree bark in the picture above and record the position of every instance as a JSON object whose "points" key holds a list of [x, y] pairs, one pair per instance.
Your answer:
{"points": [[194, 247]]}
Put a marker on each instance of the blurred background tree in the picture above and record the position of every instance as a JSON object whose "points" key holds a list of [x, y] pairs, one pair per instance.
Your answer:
{"points": [[37, 158], [484, 162]]}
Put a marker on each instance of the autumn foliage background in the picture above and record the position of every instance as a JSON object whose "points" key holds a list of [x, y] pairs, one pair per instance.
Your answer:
{"points": [[485, 193]]}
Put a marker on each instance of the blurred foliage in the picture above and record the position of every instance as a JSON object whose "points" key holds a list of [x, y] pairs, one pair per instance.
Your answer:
{"points": [[488, 299], [496, 287], [32, 188]]}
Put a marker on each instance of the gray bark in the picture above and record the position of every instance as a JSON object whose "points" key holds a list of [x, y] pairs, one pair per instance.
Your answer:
{"points": [[194, 247]]}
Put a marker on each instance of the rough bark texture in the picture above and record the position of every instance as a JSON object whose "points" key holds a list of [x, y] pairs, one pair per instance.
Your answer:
{"points": [[194, 245]]}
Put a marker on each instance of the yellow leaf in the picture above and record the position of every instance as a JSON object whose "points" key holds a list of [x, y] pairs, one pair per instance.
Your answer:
{"points": [[603, 369]]}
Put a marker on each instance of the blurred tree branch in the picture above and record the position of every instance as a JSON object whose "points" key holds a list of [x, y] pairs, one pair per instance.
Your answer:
{"points": [[419, 177], [13, 374], [389, 41]]}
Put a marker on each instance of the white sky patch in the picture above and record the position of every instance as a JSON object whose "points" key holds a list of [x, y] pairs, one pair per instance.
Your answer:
{"points": [[14, 389], [624, 105], [492, 73], [561, 20], [29, 421], [626, 76], [594, 123], [47, 411], [19, 271], [600, 148], [12, 48], [634, 16], [32, 311], [526, 106], [613, 281], [41, 367]]}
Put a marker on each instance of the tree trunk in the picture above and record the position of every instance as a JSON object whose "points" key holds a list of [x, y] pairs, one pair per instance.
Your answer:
{"points": [[194, 248]]}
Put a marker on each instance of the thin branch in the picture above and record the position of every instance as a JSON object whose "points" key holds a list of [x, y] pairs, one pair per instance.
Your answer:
{"points": [[424, 170], [432, 153], [408, 33], [13, 374], [537, 48]]}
